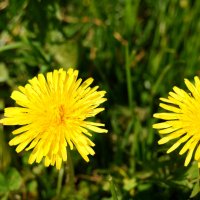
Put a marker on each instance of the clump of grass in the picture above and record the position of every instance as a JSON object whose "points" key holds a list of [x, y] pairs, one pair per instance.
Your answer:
{"points": [[136, 51]]}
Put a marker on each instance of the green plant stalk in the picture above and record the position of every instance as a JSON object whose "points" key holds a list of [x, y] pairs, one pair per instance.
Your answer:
{"points": [[112, 188], [135, 149], [70, 171], [59, 183], [199, 178], [128, 77]]}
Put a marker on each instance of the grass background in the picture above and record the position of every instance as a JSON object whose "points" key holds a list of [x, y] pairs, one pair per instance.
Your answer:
{"points": [[136, 50]]}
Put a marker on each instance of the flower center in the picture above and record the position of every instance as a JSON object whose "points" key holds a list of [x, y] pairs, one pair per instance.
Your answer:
{"points": [[61, 114]]}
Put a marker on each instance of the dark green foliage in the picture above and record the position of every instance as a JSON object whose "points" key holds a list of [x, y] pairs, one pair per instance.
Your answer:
{"points": [[135, 50]]}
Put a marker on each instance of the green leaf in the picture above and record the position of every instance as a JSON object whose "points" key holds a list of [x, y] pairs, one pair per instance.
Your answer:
{"points": [[3, 73], [195, 190], [14, 45], [193, 171], [10, 181], [14, 179], [3, 184], [129, 184]]}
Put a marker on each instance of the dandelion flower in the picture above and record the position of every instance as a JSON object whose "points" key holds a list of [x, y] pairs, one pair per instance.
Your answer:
{"points": [[182, 122], [52, 114]]}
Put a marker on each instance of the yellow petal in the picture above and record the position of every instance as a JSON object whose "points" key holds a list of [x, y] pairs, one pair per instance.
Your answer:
{"points": [[197, 153], [83, 152], [192, 88], [178, 143], [171, 136], [186, 146], [161, 125], [168, 130], [170, 108], [58, 162], [166, 116], [95, 129], [189, 155]]}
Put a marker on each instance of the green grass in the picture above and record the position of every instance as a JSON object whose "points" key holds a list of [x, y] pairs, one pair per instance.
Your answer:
{"points": [[136, 51]]}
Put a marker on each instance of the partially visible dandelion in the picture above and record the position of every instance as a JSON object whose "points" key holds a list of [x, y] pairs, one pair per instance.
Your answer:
{"points": [[182, 122], [52, 114]]}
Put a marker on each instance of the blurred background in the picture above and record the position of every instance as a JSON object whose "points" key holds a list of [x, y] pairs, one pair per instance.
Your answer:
{"points": [[136, 50]]}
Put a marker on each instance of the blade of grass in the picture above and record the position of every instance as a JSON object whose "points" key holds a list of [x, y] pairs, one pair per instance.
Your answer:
{"points": [[112, 188], [160, 78], [128, 77], [14, 45]]}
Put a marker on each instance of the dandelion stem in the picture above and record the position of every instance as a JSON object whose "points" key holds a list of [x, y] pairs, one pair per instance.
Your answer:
{"points": [[70, 171], [199, 177], [60, 179]]}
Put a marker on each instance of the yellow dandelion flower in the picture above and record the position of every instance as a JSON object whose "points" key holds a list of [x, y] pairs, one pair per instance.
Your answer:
{"points": [[182, 122], [52, 114]]}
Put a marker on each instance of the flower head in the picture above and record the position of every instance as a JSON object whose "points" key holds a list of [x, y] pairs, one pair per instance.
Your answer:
{"points": [[182, 122], [52, 113]]}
